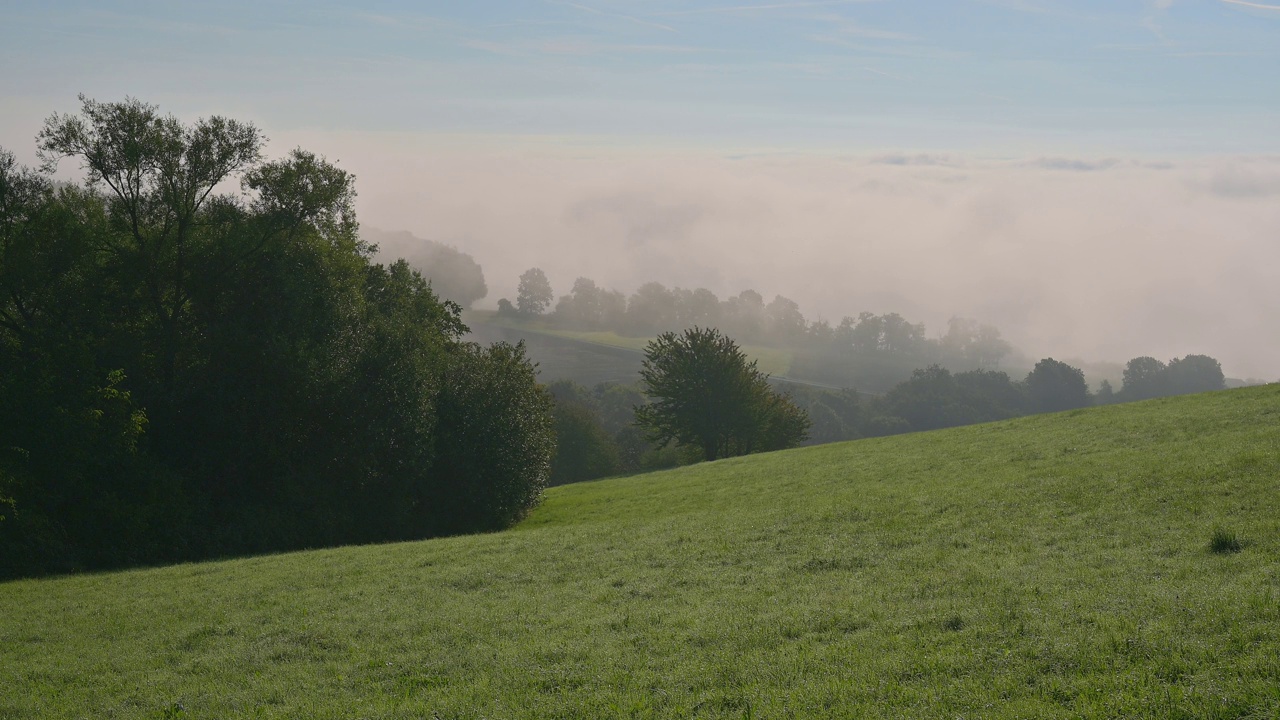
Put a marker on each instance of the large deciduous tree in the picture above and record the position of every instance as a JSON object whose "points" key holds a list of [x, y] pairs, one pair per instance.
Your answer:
{"points": [[1195, 373], [1054, 385], [533, 294], [1145, 377], [705, 393]]}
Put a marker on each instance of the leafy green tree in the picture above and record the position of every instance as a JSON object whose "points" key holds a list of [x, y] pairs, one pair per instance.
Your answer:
{"points": [[652, 308], [696, 308], [783, 320], [494, 441], [935, 398], [584, 448], [1195, 373], [192, 372], [1105, 395], [1054, 385], [533, 294], [1144, 377], [584, 306], [744, 315], [160, 178], [706, 394]]}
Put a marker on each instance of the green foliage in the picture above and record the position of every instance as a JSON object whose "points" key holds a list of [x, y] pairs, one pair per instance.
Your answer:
{"points": [[1105, 394], [836, 414], [1053, 385], [192, 373], [934, 398], [494, 442], [590, 307], [1145, 377], [533, 295], [705, 393], [584, 450], [1046, 567], [1195, 373]]}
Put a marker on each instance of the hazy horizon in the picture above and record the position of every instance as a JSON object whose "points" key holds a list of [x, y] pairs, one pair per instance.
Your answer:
{"points": [[1103, 259], [1100, 180]]}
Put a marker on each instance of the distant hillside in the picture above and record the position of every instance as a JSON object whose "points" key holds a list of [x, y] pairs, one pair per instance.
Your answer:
{"points": [[588, 358], [1111, 562], [454, 275]]}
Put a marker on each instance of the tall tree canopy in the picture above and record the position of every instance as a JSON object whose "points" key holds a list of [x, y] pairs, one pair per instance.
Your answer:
{"points": [[1054, 385], [190, 371], [533, 294], [705, 393]]}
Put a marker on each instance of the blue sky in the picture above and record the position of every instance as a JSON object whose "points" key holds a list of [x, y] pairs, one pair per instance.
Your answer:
{"points": [[1141, 76]]}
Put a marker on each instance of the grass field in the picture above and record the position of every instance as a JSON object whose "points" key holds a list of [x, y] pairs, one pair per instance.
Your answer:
{"points": [[771, 360], [1056, 566]]}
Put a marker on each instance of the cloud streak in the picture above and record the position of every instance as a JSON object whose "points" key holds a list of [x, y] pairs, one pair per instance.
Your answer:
{"points": [[803, 4], [619, 16], [1259, 6]]}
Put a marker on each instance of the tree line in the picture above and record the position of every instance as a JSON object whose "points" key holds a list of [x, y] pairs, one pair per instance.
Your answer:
{"points": [[191, 371], [869, 351], [603, 439]]}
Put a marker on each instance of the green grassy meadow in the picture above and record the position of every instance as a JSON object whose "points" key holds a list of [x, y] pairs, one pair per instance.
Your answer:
{"points": [[770, 360], [1055, 566]]}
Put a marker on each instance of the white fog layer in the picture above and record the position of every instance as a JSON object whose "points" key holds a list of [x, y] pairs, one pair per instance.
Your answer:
{"points": [[1099, 258]]}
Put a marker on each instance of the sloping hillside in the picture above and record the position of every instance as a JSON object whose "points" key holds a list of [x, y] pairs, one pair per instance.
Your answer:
{"points": [[1051, 566]]}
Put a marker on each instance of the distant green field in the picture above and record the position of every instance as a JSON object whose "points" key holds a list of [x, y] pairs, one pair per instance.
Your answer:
{"points": [[1056, 566], [771, 360]]}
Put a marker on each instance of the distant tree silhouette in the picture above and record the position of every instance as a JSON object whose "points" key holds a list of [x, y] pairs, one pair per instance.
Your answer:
{"points": [[1144, 377], [533, 295], [1195, 373], [1054, 385]]}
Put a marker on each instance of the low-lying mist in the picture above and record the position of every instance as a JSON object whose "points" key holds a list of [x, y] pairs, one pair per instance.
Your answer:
{"points": [[1097, 259]]}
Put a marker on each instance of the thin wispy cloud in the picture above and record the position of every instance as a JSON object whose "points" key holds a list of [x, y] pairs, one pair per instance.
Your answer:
{"points": [[768, 6], [1153, 25], [576, 46], [618, 16], [882, 73], [1073, 164], [845, 26], [1019, 5], [403, 22], [1214, 53], [1259, 6]]}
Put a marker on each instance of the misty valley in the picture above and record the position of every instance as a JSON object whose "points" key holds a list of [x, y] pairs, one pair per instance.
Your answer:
{"points": [[607, 359]]}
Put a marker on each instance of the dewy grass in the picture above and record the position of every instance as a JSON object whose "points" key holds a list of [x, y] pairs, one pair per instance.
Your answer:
{"points": [[1224, 542], [1046, 567]]}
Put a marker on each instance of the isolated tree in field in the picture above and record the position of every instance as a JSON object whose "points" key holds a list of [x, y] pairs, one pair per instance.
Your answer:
{"points": [[533, 295], [705, 393], [1054, 385]]}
